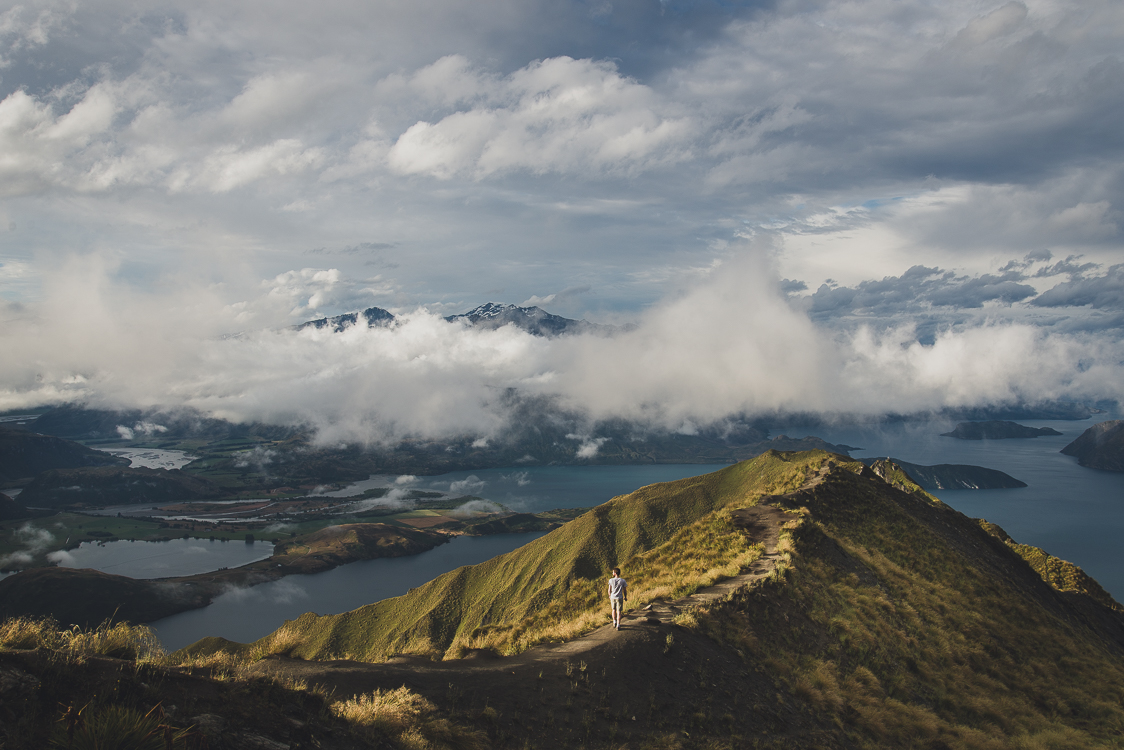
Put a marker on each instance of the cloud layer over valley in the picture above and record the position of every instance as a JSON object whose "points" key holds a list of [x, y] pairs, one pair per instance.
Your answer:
{"points": [[731, 342]]}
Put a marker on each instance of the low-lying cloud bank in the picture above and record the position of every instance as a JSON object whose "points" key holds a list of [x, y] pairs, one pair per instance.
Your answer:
{"points": [[731, 343]]}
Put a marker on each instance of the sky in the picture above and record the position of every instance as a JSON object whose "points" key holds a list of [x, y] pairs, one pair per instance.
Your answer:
{"points": [[844, 206]]}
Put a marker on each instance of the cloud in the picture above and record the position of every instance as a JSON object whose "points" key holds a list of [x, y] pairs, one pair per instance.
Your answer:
{"points": [[470, 485], [557, 115], [730, 342], [588, 447], [520, 478], [33, 539], [919, 287], [472, 507], [148, 429], [556, 297], [157, 163], [1099, 292]]}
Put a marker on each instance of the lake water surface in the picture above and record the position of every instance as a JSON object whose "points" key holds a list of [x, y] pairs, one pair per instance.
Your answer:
{"points": [[151, 458], [176, 557]]}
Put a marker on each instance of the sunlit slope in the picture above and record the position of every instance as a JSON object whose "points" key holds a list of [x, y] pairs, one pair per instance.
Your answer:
{"points": [[507, 588]]}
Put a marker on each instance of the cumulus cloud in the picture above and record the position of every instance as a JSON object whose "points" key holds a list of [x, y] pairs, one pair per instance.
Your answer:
{"points": [[556, 115], [1104, 291]]}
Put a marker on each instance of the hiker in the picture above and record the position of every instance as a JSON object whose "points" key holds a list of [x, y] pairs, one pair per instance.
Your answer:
{"points": [[618, 592]]}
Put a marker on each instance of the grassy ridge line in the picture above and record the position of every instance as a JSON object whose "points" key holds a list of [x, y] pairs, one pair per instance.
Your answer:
{"points": [[909, 625], [508, 588]]}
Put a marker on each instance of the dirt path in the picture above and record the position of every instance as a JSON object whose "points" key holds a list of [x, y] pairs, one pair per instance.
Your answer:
{"points": [[760, 523]]}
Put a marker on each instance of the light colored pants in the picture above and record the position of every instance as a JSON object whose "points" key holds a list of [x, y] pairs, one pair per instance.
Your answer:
{"points": [[618, 604]]}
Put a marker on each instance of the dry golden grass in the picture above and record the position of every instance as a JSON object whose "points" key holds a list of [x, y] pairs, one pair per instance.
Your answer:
{"points": [[28, 633], [407, 719], [700, 555], [120, 640]]}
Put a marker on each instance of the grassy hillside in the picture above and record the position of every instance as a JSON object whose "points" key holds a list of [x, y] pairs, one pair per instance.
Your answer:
{"points": [[894, 621], [101, 486], [906, 624], [24, 454], [551, 588]]}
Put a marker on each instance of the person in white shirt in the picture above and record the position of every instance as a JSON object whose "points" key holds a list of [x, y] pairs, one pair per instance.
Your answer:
{"points": [[618, 593]]}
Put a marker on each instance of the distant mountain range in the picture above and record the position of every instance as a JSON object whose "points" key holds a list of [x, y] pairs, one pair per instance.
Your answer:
{"points": [[490, 315], [375, 317]]}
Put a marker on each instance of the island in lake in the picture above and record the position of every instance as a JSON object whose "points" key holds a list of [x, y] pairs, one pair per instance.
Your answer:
{"points": [[952, 476], [1100, 447], [997, 429]]}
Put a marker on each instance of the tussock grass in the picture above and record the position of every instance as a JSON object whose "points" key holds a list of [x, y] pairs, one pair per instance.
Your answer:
{"points": [[408, 720], [120, 640], [29, 632], [117, 711]]}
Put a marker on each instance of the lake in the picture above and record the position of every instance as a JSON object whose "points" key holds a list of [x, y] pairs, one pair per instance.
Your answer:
{"points": [[151, 458], [176, 557], [247, 614]]}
